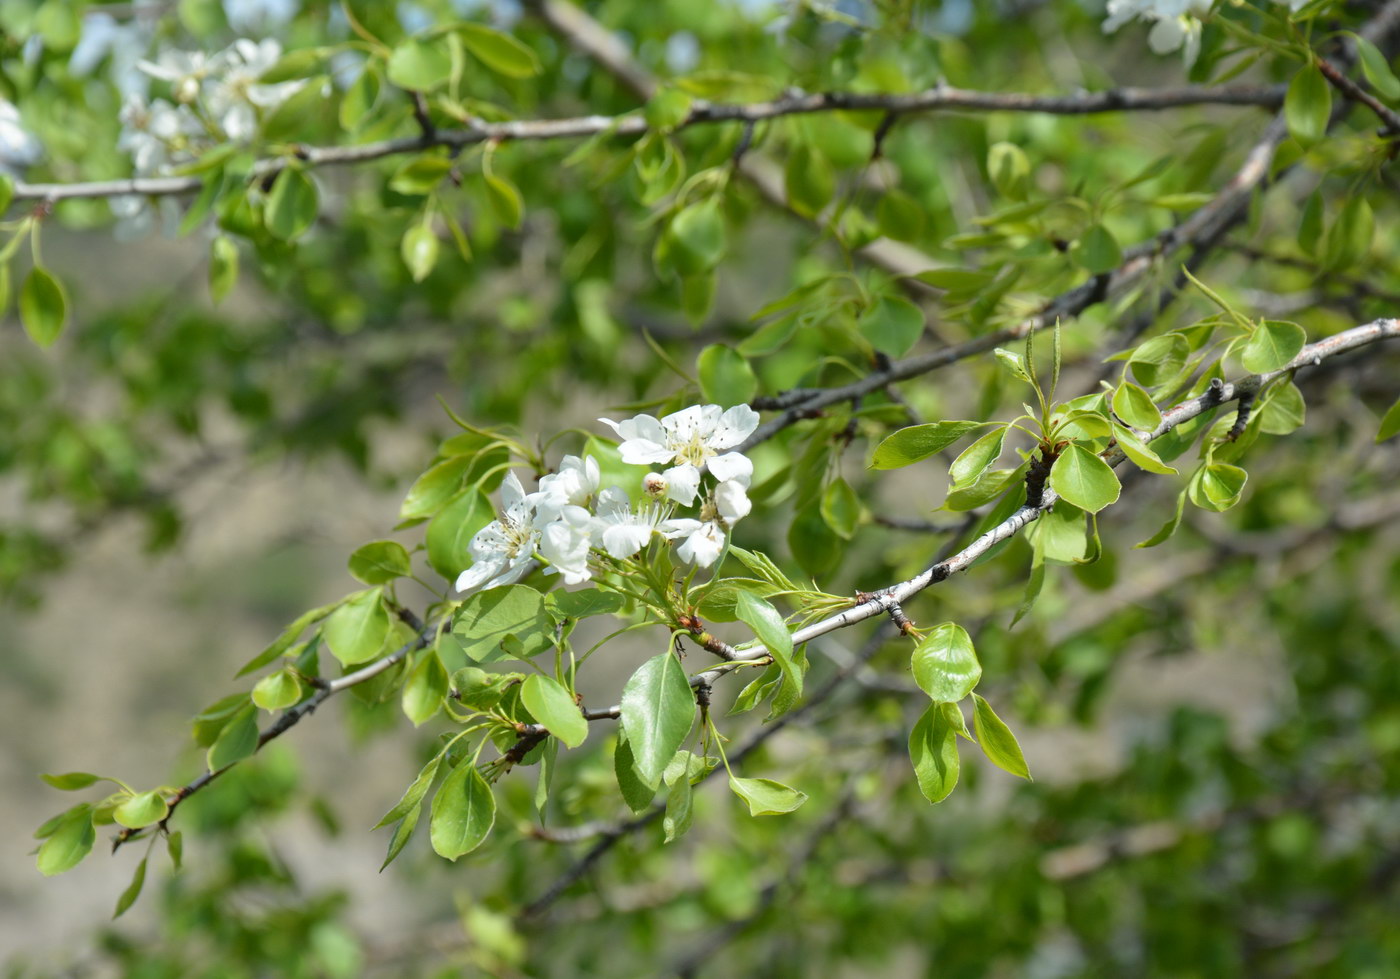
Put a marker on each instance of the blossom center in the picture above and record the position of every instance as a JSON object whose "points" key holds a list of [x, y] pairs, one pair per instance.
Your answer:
{"points": [[694, 451]]}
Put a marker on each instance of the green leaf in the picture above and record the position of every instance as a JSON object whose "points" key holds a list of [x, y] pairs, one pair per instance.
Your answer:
{"points": [[583, 603], [414, 794], [464, 810], [419, 249], [1390, 423], [1373, 65], [1140, 453], [698, 235], [70, 841], [223, 267], [403, 832], [425, 689], [141, 810], [506, 202], [810, 181], [1136, 407], [1310, 224], [431, 491], [1283, 411], [237, 740], [933, 750], [360, 98], [725, 376], [1159, 359], [292, 206], [658, 710], [277, 691], [1013, 363], [283, 642], [841, 508], [910, 445], [43, 308], [420, 65], [768, 625], [977, 458], [1009, 169], [893, 326], [500, 52], [554, 707], [636, 793], [988, 487], [679, 810], [1082, 478], [1097, 250], [945, 663], [1217, 486], [1170, 526], [380, 561], [72, 781], [816, 549], [1350, 237], [1273, 345], [997, 741], [7, 192], [503, 622], [355, 632], [421, 176], [175, 846], [452, 529], [667, 109], [1058, 536], [133, 890], [1308, 105], [767, 797]]}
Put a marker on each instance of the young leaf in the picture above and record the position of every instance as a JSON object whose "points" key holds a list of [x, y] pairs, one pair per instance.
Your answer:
{"points": [[43, 307], [636, 793], [1170, 526], [1376, 69], [237, 740], [679, 810], [725, 375], [379, 562], [1140, 453], [1308, 105], [71, 781], [454, 525], [910, 445], [1217, 486], [1098, 251], [464, 810], [658, 710], [403, 832], [945, 663], [413, 794], [223, 267], [277, 691], [133, 890], [996, 740], [809, 180], [1390, 423], [1136, 407], [841, 508], [420, 65], [933, 750], [356, 631], [501, 622], [425, 688], [767, 797], [500, 52], [1273, 344], [977, 458], [553, 706], [70, 841], [1082, 478], [292, 205], [773, 632], [141, 810], [1009, 169], [892, 326], [419, 249]]}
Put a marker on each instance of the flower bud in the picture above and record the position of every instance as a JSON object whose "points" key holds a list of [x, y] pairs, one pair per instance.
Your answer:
{"points": [[654, 485]]}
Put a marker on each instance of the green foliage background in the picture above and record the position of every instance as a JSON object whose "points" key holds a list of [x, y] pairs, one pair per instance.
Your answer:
{"points": [[1212, 722]]}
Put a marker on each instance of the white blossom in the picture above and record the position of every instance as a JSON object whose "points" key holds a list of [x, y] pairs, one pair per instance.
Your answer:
{"points": [[565, 542], [235, 95], [574, 483], [256, 16], [184, 70], [503, 550], [1174, 23], [622, 530], [19, 148], [704, 538], [692, 440], [157, 134]]}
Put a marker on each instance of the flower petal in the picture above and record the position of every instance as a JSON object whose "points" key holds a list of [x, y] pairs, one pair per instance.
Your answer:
{"points": [[702, 548], [682, 483], [731, 466], [732, 501], [735, 425], [644, 452]]}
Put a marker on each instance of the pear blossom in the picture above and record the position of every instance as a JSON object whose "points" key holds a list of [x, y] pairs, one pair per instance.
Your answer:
{"points": [[19, 148], [704, 538], [235, 94], [622, 530], [184, 70], [575, 482], [693, 440], [503, 551], [565, 542], [1174, 23]]}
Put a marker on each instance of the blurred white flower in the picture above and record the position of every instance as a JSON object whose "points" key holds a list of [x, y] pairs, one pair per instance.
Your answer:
{"points": [[155, 134], [694, 440], [259, 16], [104, 35], [1174, 23], [19, 148], [235, 95], [184, 70]]}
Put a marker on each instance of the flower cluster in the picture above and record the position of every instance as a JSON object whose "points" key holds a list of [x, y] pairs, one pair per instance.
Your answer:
{"points": [[1175, 23], [573, 527]]}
